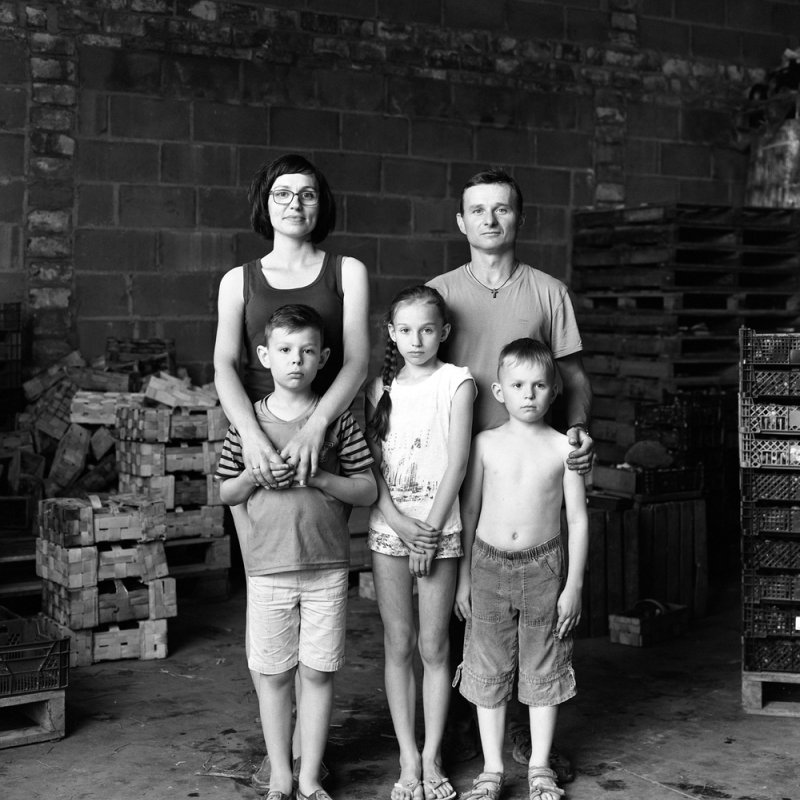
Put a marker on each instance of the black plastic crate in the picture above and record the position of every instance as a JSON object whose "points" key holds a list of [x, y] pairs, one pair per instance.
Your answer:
{"points": [[767, 485], [764, 619], [778, 452], [772, 553], [34, 656], [758, 519], [769, 348], [771, 655], [782, 586]]}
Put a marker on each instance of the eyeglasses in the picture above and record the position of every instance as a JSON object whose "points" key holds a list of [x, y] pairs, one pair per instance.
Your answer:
{"points": [[308, 197]]}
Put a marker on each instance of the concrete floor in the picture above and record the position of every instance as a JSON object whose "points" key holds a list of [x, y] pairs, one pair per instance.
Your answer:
{"points": [[657, 723]]}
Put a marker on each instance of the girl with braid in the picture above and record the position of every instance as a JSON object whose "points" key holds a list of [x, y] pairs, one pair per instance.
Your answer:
{"points": [[419, 419]]}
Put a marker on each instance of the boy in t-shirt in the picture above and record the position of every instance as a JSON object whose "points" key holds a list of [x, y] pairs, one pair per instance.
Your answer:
{"points": [[520, 599], [296, 552]]}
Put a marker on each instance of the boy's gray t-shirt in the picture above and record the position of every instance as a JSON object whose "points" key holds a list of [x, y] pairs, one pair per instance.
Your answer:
{"points": [[297, 528]]}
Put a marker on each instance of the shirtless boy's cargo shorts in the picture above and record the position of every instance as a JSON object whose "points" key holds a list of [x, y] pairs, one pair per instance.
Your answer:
{"points": [[514, 597]]}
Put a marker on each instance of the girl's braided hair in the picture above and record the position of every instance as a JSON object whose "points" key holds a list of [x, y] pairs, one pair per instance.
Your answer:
{"points": [[378, 426]]}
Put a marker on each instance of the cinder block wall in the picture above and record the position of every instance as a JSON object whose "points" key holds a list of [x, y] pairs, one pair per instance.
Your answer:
{"points": [[129, 130]]}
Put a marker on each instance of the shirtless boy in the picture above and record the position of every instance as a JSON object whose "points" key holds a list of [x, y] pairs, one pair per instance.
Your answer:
{"points": [[520, 600]]}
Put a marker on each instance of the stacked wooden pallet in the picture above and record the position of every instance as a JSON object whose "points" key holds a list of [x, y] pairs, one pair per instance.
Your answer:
{"points": [[105, 576], [769, 434], [661, 292], [169, 451]]}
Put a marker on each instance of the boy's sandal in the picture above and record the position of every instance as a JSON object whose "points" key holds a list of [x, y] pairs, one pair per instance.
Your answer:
{"points": [[276, 795], [407, 790], [431, 786], [318, 794], [324, 772], [486, 786], [542, 784]]}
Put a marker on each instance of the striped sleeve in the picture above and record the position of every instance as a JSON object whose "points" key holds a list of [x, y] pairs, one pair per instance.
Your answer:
{"points": [[230, 462], [353, 451]]}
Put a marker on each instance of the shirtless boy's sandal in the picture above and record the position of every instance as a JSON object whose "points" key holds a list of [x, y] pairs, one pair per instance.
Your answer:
{"points": [[318, 794], [324, 772], [260, 778], [438, 788], [542, 784], [406, 790], [486, 786], [276, 795]]}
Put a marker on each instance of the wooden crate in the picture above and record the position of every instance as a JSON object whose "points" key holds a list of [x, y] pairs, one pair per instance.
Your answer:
{"points": [[138, 424], [96, 408], [73, 567], [211, 454], [70, 457], [773, 693], [197, 555], [206, 522], [145, 459], [185, 458], [128, 518], [174, 392], [76, 608], [142, 639], [144, 560], [74, 522], [654, 549], [209, 424], [156, 487], [642, 626], [31, 718]]}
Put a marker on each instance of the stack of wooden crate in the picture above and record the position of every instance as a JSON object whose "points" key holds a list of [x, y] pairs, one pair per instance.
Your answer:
{"points": [[105, 576], [169, 451], [769, 433]]}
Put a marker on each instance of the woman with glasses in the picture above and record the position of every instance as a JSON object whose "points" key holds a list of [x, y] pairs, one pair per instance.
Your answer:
{"points": [[292, 207]]}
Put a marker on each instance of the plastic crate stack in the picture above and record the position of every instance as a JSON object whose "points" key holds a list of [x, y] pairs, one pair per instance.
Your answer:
{"points": [[169, 452], [769, 444], [34, 671], [104, 575]]}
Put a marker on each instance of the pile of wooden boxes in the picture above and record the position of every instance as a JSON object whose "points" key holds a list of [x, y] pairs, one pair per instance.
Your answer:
{"points": [[105, 576], [769, 438], [169, 451]]}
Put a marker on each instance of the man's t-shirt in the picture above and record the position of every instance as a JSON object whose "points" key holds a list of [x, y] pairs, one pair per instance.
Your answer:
{"points": [[300, 527], [532, 304]]}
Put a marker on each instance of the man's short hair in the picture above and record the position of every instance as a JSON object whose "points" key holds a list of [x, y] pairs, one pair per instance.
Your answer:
{"points": [[530, 351], [293, 318], [494, 175]]}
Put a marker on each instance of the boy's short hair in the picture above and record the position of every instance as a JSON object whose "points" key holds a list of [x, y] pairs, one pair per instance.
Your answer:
{"points": [[493, 175], [529, 350], [261, 185], [293, 318]]}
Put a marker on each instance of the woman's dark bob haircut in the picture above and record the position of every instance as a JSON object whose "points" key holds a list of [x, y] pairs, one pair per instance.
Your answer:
{"points": [[261, 185]]}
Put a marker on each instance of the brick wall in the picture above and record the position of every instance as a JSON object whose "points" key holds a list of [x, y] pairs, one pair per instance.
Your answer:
{"points": [[129, 130]]}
